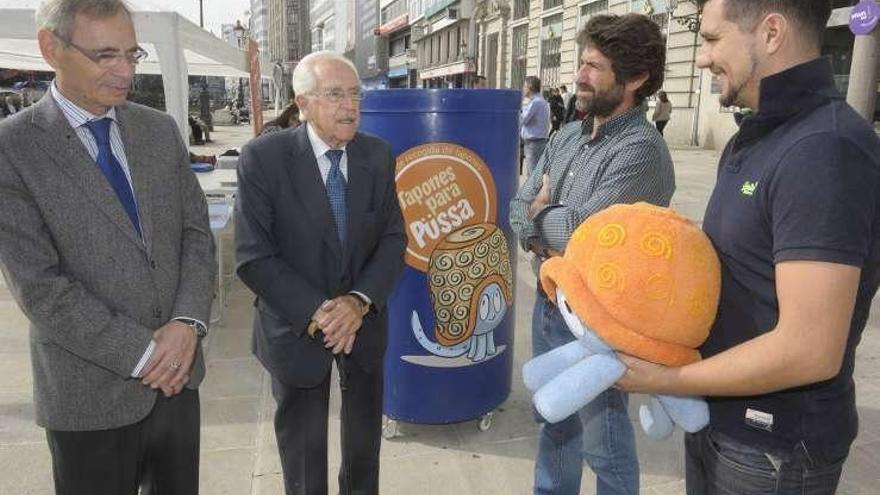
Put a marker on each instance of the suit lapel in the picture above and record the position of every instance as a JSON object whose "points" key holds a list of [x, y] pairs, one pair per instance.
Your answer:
{"points": [[309, 186], [359, 187], [71, 157], [139, 156]]}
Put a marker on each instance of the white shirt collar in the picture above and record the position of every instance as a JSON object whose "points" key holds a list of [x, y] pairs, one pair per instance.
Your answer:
{"points": [[75, 114], [318, 144]]}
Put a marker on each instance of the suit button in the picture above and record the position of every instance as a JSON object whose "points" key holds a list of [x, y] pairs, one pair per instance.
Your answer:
{"points": [[157, 313], [153, 264]]}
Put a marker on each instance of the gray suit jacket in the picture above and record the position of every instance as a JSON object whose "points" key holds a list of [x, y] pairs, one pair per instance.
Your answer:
{"points": [[93, 292], [289, 254]]}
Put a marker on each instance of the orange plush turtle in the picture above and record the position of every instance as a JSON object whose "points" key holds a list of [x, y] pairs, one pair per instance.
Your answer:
{"points": [[640, 279]]}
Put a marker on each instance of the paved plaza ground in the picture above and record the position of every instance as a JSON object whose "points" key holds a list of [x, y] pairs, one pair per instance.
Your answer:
{"points": [[239, 454]]}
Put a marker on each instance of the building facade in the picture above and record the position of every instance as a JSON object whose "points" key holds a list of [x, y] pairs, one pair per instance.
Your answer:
{"points": [[394, 31], [445, 43], [288, 39]]}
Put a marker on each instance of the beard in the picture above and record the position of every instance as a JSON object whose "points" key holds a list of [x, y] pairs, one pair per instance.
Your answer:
{"points": [[599, 103], [732, 96]]}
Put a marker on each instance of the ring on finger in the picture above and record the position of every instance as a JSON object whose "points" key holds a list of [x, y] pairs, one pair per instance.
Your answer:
{"points": [[175, 365]]}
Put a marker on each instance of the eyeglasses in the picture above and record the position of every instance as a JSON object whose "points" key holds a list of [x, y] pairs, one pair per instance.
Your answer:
{"points": [[109, 59], [336, 95]]}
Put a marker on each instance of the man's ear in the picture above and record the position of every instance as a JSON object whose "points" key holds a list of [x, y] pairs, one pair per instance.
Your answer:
{"points": [[303, 103], [49, 46], [774, 31], [636, 83]]}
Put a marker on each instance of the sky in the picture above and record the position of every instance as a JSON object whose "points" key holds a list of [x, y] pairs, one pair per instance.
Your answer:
{"points": [[217, 12]]}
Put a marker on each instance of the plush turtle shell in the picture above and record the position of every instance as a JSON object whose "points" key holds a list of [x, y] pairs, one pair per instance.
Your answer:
{"points": [[644, 278]]}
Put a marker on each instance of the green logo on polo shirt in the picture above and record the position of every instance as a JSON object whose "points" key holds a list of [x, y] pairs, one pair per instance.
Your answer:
{"points": [[748, 188]]}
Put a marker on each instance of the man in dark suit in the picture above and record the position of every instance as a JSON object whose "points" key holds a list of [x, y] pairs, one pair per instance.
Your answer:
{"points": [[320, 240], [106, 246]]}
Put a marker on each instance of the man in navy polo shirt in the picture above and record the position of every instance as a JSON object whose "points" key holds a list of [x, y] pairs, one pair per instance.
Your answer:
{"points": [[795, 218]]}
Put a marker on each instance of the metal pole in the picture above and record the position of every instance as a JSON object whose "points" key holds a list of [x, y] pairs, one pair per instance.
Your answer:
{"points": [[862, 91], [204, 96]]}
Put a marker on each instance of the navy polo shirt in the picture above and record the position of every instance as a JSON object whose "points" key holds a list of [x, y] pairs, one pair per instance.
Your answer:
{"points": [[799, 181]]}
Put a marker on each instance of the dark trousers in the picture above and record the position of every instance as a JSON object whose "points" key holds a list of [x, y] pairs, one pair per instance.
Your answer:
{"points": [[661, 124], [719, 465], [301, 429], [159, 454]]}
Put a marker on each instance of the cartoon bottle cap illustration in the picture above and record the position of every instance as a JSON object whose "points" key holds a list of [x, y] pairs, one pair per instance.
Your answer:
{"points": [[644, 278]]}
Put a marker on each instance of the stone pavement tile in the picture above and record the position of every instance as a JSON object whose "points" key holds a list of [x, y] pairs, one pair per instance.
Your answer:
{"points": [[498, 468], [14, 334], [513, 420], [435, 473], [232, 378], [17, 420], [25, 469], [671, 488], [226, 472], [230, 423], [268, 462], [861, 472], [15, 373], [268, 484], [416, 440], [868, 402]]}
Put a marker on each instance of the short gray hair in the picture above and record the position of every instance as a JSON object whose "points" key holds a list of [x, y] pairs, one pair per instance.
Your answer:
{"points": [[303, 78], [57, 15]]}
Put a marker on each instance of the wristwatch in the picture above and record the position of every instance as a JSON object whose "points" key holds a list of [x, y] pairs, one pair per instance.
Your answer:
{"points": [[197, 326]]}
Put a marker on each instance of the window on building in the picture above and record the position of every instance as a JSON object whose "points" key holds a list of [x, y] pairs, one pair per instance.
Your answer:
{"points": [[398, 46], [519, 53], [392, 11], [587, 11], [551, 42], [549, 4], [520, 9]]}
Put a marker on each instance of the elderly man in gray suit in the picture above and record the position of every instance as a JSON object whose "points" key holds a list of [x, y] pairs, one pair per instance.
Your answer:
{"points": [[320, 241], [105, 244]]}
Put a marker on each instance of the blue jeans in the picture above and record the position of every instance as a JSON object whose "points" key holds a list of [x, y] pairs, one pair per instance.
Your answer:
{"points": [[532, 151], [719, 465], [600, 434]]}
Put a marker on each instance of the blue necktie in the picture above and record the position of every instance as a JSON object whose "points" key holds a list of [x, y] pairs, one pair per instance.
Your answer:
{"points": [[112, 170], [336, 193]]}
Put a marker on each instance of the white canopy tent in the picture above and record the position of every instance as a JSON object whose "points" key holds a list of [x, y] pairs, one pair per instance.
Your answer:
{"points": [[178, 48]]}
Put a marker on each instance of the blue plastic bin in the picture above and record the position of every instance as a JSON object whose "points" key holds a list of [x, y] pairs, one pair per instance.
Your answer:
{"points": [[451, 318]]}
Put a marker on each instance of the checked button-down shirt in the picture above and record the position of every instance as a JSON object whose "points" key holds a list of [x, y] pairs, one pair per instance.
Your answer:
{"points": [[626, 162]]}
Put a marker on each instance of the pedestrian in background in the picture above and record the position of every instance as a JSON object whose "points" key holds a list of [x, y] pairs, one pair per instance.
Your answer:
{"points": [[534, 123], [662, 111]]}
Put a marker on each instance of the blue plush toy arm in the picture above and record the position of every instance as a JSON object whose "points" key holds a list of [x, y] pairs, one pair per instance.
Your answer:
{"points": [[657, 418], [577, 386], [541, 369]]}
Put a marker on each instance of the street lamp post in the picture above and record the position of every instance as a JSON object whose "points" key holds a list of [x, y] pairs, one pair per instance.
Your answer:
{"points": [[204, 95], [240, 36]]}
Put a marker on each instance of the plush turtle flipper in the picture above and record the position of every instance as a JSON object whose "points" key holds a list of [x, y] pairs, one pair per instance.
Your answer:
{"points": [[577, 386], [541, 369]]}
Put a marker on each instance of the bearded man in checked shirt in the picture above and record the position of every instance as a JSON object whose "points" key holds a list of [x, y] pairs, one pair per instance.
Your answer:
{"points": [[613, 156]]}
